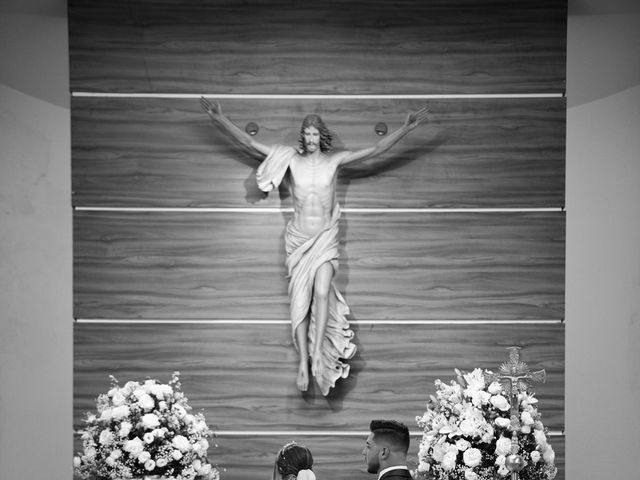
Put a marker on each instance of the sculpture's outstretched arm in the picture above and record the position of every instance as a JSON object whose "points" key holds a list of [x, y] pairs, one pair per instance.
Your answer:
{"points": [[412, 121], [232, 130]]}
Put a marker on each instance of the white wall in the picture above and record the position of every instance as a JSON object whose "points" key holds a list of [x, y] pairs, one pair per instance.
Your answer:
{"points": [[603, 245]]}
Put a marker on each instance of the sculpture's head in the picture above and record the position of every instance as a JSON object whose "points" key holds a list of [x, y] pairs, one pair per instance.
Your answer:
{"points": [[313, 127]]}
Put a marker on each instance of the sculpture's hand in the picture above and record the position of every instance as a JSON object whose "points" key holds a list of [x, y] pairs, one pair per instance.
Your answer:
{"points": [[416, 118], [212, 108], [316, 363]]}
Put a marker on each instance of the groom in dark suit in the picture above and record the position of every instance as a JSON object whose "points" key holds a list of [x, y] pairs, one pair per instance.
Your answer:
{"points": [[385, 452]]}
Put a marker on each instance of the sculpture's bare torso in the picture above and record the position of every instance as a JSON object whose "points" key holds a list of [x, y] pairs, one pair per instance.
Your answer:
{"points": [[313, 190]]}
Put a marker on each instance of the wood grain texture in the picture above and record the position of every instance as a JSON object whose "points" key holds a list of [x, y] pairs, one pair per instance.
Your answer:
{"points": [[330, 47], [140, 152], [243, 376], [394, 266]]}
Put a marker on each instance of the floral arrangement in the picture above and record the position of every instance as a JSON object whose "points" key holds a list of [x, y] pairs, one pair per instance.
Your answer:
{"points": [[468, 432], [144, 429]]}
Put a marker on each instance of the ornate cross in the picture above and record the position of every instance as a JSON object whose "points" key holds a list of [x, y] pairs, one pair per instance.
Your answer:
{"points": [[515, 376]]}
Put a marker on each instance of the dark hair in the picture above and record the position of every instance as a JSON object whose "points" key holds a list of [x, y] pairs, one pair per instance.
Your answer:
{"points": [[292, 458], [391, 431], [313, 120]]}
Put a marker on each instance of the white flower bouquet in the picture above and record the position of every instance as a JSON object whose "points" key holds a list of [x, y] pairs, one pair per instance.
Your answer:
{"points": [[144, 429], [468, 432]]}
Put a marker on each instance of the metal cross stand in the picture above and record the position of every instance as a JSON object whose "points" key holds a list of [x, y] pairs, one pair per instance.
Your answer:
{"points": [[515, 377]]}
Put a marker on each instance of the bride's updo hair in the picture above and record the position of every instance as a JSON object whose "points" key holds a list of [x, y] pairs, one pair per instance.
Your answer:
{"points": [[294, 461]]}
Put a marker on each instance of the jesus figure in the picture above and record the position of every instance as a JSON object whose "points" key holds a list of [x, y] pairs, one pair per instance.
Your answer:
{"points": [[320, 329]]}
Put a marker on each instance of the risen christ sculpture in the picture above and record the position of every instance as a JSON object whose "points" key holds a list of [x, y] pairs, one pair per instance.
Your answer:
{"points": [[320, 329]]}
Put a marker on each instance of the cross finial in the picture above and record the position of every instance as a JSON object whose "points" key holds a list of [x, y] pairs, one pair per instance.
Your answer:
{"points": [[515, 375]]}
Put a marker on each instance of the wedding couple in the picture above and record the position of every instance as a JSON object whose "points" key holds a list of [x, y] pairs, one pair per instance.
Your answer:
{"points": [[385, 454]]}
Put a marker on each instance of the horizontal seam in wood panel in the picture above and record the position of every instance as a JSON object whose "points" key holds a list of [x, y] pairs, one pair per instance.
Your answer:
{"points": [[133, 321], [318, 96], [290, 209]]}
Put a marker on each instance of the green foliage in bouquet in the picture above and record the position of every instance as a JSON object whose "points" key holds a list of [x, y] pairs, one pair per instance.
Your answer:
{"points": [[468, 432], [144, 429]]}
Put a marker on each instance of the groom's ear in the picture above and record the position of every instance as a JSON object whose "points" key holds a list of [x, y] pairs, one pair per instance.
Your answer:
{"points": [[384, 452]]}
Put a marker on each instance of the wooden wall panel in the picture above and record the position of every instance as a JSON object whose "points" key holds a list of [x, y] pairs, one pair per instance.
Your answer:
{"points": [[335, 457], [329, 47], [159, 152], [243, 376], [394, 266]]}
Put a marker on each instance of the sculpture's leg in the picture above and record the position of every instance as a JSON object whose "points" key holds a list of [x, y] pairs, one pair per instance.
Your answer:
{"points": [[302, 381], [321, 289]]}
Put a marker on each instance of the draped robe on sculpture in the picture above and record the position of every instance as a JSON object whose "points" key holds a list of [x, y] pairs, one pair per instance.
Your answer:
{"points": [[305, 254]]}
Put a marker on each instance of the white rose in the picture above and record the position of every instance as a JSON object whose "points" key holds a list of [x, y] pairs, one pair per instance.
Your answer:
{"points": [[148, 437], [139, 392], [535, 456], [120, 412], [503, 446], [205, 469], [157, 391], [423, 467], [125, 428], [118, 398], [526, 429], [499, 402], [162, 462], [181, 443], [106, 415], [179, 411], [472, 457], [146, 402], [449, 460], [501, 460], [204, 443], [150, 421], [134, 447], [77, 462], [149, 465], [489, 433], [106, 437], [115, 454], [495, 388], [462, 444], [541, 438], [503, 422], [438, 453], [468, 428], [144, 456], [526, 418], [162, 406], [176, 454], [470, 475], [549, 455]]}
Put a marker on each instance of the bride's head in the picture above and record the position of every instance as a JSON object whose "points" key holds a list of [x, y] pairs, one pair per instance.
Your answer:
{"points": [[293, 462]]}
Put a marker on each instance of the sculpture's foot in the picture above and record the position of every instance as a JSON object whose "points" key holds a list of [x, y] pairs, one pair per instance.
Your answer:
{"points": [[303, 376]]}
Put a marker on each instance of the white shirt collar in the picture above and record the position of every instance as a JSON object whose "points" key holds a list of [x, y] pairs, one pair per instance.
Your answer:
{"points": [[395, 467]]}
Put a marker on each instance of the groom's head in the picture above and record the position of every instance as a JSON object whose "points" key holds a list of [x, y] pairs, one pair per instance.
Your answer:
{"points": [[386, 446]]}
